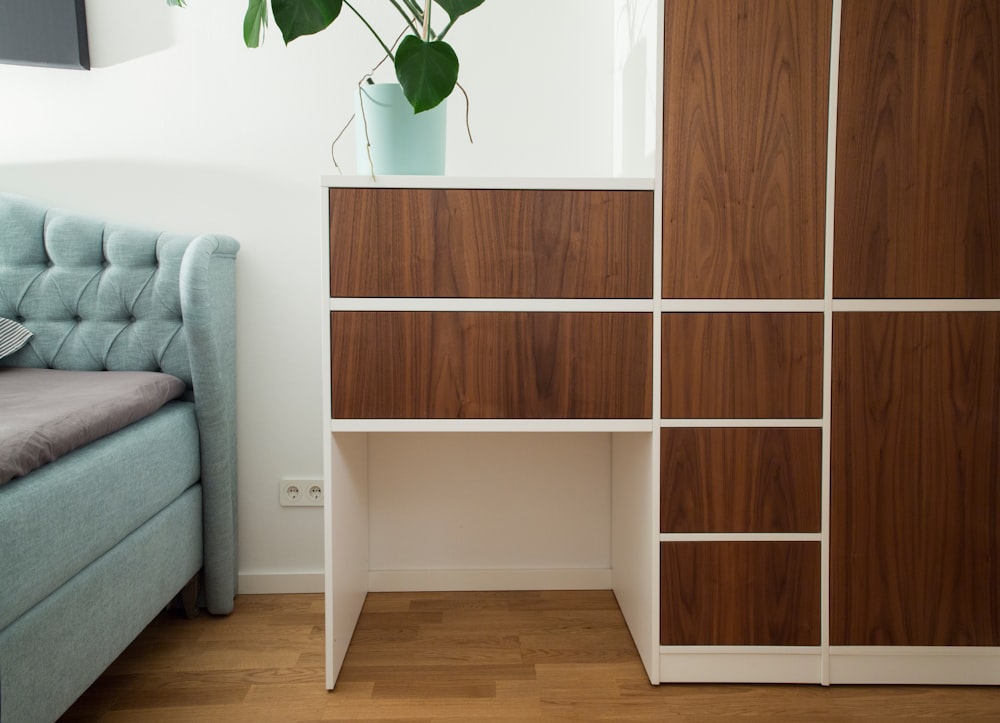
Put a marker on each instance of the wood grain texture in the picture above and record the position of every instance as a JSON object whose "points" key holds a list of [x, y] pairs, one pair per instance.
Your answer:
{"points": [[742, 365], [491, 243], [264, 664], [918, 150], [740, 593], [746, 88], [915, 486], [534, 365], [740, 480]]}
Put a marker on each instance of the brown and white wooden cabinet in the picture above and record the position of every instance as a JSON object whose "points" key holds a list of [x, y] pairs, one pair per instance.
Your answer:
{"points": [[915, 409], [791, 335], [460, 306], [742, 512], [830, 453]]}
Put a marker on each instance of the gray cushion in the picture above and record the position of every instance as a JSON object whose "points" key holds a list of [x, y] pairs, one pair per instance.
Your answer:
{"points": [[49, 412]]}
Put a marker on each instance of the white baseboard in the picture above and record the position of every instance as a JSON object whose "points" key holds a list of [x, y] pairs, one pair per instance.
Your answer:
{"points": [[441, 580], [919, 665], [257, 583], [848, 665], [740, 664]]}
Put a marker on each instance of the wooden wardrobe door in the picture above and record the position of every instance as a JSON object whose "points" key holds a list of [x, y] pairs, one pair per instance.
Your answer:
{"points": [[915, 479], [746, 87], [918, 150]]}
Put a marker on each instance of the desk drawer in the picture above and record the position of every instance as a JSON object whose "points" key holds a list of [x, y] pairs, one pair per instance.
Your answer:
{"points": [[543, 244], [740, 593], [741, 479], [742, 365], [483, 365]]}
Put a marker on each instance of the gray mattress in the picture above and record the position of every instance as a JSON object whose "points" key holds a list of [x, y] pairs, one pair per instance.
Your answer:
{"points": [[45, 413]]}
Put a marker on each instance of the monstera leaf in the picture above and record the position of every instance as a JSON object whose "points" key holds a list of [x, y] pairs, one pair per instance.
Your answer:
{"points": [[254, 22], [295, 18], [458, 8], [427, 71]]}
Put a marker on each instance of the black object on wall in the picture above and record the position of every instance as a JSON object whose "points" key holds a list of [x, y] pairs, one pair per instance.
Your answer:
{"points": [[44, 32]]}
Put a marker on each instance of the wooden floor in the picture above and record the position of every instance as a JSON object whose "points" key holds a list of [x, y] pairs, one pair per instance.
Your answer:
{"points": [[515, 656]]}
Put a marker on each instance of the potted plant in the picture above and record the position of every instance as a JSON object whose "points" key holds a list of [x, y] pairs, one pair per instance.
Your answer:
{"points": [[426, 65]]}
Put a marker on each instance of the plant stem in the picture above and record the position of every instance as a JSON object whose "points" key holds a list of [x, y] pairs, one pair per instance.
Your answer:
{"points": [[414, 8], [468, 126], [419, 15], [410, 14], [446, 29], [379, 39], [427, 19]]}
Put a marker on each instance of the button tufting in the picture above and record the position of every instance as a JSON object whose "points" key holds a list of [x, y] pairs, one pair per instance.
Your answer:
{"points": [[131, 320], [77, 318]]}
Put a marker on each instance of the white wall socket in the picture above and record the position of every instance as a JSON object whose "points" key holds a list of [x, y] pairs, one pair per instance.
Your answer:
{"points": [[300, 492]]}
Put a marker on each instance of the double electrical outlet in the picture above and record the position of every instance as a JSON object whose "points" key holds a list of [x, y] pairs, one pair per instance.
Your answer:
{"points": [[300, 492]]}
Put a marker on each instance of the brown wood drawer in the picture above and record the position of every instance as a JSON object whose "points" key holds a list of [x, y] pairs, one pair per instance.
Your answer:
{"points": [[742, 365], [917, 209], [491, 243], [740, 593], [740, 480], [530, 365], [915, 462]]}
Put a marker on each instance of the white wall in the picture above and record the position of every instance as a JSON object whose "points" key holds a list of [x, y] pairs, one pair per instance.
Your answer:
{"points": [[501, 501], [635, 132], [180, 127]]}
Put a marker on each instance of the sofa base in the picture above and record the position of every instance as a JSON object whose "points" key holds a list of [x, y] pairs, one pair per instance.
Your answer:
{"points": [[51, 654]]}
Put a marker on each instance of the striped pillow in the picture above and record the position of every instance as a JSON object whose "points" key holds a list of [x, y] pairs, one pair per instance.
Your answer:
{"points": [[12, 336]]}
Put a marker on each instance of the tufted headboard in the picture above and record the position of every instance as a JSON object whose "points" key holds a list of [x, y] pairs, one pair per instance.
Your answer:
{"points": [[101, 296], [96, 295]]}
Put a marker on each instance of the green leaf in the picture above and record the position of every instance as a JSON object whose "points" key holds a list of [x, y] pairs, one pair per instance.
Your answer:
{"points": [[176, 3], [304, 17], [458, 8], [254, 22], [427, 71]]}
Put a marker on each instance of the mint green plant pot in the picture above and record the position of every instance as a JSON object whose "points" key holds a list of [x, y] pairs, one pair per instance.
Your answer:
{"points": [[402, 142]]}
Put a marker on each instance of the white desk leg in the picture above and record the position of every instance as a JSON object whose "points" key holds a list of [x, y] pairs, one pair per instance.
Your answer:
{"points": [[346, 538], [634, 564]]}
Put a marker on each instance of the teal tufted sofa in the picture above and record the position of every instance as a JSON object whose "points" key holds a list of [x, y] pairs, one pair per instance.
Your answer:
{"points": [[95, 544]]}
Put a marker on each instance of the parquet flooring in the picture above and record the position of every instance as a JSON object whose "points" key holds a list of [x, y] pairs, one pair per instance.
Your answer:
{"points": [[503, 656]]}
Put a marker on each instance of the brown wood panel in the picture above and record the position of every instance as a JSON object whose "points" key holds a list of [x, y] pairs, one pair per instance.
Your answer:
{"points": [[740, 593], [491, 243], [915, 479], [491, 365], [746, 95], [740, 480], [918, 150], [742, 365]]}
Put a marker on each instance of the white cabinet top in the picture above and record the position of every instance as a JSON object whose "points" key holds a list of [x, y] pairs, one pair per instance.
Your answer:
{"points": [[583, 184]]}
